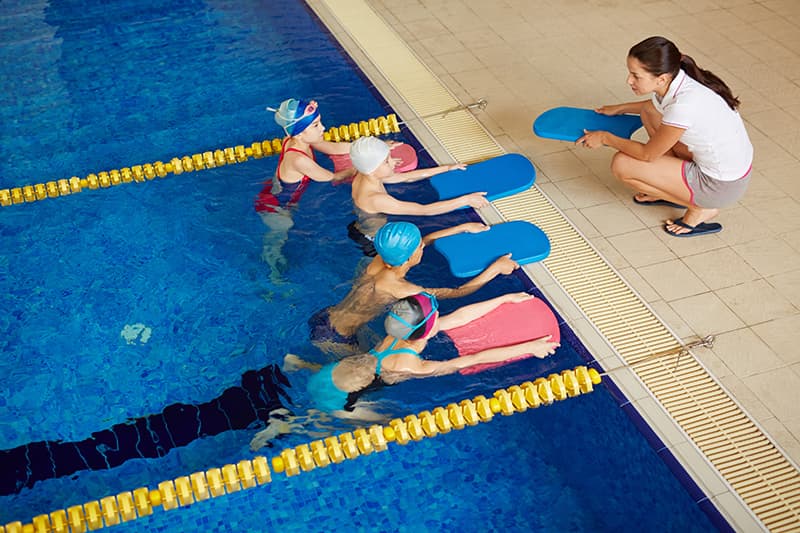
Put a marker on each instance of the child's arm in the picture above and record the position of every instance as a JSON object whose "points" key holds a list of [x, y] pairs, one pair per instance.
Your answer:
{"points": [[413, 367], [421, 174], [467, 227], [387, 204], [468, 313]]}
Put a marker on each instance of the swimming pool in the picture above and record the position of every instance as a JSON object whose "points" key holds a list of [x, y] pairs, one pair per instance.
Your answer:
{"points": [[143, 302]]}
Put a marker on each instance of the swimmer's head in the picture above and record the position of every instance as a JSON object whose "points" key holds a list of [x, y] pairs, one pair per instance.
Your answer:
{"points": [[413, 317], [396, 242], [294, 116], [367, 154]]}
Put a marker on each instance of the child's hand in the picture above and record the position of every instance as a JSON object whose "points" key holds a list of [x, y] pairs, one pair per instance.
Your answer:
{"points": [[505, 265], [473, 227], [476, 200], [543, 347], [457, 166], [518, 297]]}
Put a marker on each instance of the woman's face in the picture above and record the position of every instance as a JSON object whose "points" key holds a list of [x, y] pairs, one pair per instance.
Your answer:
{"points": [[642, 82]]}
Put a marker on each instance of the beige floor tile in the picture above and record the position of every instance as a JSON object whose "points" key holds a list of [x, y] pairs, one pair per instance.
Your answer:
{"points": [[672, 280], [781, 336], [761, 189], [562, 165], [769, 256], [555, 194], [756, 302], [721, 268], [746, 354], [585, 191], [454, 62], [706, 314], [739, 225], [778, 389], [780, 215], [712, 362], [788, 285], [612, 218], [641, 248], [674, 321]]}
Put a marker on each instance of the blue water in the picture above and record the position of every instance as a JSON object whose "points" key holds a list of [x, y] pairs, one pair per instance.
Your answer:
{"points": [[98, 87]]}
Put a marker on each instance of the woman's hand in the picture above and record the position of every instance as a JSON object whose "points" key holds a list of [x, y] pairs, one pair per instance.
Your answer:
{"points": [[609, 109], [592, 139]]}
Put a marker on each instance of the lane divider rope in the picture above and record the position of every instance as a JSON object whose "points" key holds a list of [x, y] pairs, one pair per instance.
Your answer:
{"points": [[178, 165], [186, 490]]}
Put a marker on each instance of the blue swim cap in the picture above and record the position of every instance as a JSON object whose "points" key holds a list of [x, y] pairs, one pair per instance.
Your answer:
{"points": [[395, 242], [294, 115]]}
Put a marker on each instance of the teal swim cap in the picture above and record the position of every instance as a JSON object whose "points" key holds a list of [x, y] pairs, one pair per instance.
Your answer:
{"points": [[395, 242]]}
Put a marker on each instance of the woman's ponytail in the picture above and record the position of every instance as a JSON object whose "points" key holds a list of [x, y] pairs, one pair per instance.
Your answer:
{"points": [[710, 80]]}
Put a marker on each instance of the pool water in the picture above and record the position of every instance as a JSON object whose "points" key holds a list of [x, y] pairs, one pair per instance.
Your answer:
{"points": [[128, 311]]}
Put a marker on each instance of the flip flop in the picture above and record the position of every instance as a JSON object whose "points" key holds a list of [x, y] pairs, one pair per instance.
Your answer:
{"points": [[658, 202], [702, 228]]}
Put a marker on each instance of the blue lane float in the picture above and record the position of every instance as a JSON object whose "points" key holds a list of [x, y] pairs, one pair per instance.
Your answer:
{"points": [[568, 123], [146, 437], [468, 254]]}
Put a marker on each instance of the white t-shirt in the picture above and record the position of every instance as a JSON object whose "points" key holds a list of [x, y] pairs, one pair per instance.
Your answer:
{"points": [[714, 132]]}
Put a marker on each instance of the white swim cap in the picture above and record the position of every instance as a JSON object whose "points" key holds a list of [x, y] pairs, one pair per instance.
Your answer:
{"points": [[367, 153]]}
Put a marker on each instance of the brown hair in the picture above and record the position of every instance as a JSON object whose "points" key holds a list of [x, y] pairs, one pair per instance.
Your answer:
{"points": [[660, 56]]}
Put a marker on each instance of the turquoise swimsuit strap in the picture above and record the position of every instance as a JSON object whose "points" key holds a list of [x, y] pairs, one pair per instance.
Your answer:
{"points": [[390, 351]]}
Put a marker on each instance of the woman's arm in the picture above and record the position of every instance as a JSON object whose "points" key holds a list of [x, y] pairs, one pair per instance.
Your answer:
{"points": [[421, 174], [468, 313], [659, 144], [634, 108]]}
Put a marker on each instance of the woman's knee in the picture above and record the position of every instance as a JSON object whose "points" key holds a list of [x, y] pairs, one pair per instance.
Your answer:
{"points": [[621, 165]]}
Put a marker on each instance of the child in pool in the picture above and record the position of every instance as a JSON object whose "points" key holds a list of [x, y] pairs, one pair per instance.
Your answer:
{"points": [[400, 247]]}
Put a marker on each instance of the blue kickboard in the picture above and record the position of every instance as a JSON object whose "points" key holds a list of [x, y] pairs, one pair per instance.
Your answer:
{"points": [[470, 253], [499, 177], [568, 123]]}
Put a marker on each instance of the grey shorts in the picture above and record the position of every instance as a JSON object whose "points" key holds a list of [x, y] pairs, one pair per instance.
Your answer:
{"points": [[712, 193]]}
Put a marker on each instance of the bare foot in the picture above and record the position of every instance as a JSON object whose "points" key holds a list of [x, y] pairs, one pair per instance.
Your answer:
{"points": [[693, 217], [642, 197]]}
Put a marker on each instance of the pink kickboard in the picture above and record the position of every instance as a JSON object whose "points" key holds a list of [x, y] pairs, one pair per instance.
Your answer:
{"points": [[404, 152], [508, 324]]}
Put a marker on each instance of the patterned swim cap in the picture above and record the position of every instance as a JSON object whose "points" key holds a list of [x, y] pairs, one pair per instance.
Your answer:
{"points": [[294, 116]]}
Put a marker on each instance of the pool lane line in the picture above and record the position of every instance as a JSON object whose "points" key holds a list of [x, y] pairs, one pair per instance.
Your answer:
{"points": [[248, 473], [178, 165]]}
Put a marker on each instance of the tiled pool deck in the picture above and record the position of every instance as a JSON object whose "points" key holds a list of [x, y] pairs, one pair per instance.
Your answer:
{"points": [[526, 56]]}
